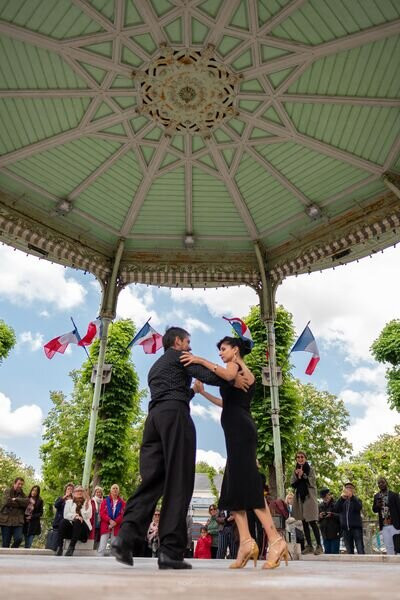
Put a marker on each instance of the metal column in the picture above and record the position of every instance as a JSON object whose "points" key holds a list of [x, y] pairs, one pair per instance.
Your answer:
{"points": [[107, 313], [267, 313]]}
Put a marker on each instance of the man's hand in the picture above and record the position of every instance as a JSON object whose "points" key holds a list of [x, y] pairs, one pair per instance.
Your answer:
{"points": [[242, 381], [198, 387], [187, 358]]}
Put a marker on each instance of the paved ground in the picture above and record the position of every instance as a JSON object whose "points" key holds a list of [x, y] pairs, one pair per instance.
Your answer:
{"points": [[58, 578]]}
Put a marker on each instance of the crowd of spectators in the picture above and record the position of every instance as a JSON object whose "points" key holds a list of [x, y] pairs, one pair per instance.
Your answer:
{"points": [[79, 518]]}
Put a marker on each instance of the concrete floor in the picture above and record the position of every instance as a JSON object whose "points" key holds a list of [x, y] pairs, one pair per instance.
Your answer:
{"points": [[56, 578]]}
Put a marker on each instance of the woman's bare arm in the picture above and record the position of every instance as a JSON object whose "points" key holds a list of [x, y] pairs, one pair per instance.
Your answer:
{"points": [[198, 388], [228, 373]]}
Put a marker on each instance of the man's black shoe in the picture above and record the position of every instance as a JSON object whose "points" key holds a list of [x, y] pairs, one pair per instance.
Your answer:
{"points": [[59, 551], [70, 549], [165, 562], [121, 551]]}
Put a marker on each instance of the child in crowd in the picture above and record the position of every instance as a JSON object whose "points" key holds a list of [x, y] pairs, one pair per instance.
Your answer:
{"points": [[203, 546]]}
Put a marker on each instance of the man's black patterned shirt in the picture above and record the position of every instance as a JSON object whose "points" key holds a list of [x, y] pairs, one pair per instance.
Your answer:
{"points": [[168, 379]]}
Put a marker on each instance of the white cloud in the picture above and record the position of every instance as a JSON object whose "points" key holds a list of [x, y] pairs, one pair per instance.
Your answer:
{"points": [[348, 306], [191, 324], [233, 301], [212, 412], [25, 420], [212, 458], [34, 341], [136, 303], [26, 279], [377, 419], [369, 376], [44, 313]]}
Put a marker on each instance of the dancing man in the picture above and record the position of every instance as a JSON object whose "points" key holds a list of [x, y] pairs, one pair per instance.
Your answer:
{"points": [[167, 454]]}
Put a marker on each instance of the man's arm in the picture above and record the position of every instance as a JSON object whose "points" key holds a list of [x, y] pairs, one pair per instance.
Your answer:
{"points": [[205, 375]]}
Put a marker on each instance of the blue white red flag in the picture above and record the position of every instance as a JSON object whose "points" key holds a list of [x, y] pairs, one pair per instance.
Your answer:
{"points": [[61, 343], [307, 343], [148, 338], [240, 328], [93, 332]]}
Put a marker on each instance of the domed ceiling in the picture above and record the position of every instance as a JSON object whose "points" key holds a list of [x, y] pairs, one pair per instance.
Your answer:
{"points": [[195, 129]]}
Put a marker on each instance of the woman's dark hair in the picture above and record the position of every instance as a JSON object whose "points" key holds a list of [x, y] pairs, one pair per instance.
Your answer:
{"points": [[171, 333], [68, 485], [244, 346], [204, 528], [35, 487]]}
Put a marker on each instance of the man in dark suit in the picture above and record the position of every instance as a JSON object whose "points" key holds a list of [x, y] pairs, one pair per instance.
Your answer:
{"points": [[387, 505]]}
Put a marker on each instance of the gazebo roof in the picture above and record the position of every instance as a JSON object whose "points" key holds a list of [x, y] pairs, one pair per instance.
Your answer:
{"points": [[193, 129]]}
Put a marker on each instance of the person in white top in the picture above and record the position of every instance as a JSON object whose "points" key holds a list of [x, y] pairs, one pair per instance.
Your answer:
{"points": [[76, 524]]}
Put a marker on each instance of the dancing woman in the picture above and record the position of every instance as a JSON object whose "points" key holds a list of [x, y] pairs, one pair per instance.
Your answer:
{"points": [[242, 486]]}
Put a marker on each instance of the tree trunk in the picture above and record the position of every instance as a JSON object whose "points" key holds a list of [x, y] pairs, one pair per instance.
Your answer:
{"points": [[96, 474], [272, 482]]}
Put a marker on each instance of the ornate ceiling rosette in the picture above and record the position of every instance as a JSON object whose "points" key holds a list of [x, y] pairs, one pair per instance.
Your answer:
{"points": [[187, 90]]}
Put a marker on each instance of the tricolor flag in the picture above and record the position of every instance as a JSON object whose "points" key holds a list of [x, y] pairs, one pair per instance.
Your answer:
{"points": [[307, 343], [93, 333], [240, 328], [61, 343], [148, 338]]}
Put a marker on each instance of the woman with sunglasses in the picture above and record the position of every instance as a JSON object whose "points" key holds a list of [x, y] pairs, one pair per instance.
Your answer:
{"points": [[305, 502]]}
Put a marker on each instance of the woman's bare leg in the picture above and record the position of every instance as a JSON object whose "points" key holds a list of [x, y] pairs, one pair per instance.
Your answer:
{"points": [[246, 541], [265, 517]]}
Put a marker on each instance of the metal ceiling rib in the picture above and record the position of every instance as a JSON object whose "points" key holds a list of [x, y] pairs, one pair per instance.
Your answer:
{"points": [[317, 124]]}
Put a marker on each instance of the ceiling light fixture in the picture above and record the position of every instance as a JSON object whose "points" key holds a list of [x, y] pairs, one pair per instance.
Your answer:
{"points": [[189, 240], [313, 211], [63, 207]]}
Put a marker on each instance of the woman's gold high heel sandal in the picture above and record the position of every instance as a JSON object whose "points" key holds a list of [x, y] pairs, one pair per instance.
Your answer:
{"points": [[252, 553], [282, 555]]}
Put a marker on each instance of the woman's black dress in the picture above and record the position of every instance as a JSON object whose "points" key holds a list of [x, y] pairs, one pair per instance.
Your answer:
{"points": [[242, 485]]}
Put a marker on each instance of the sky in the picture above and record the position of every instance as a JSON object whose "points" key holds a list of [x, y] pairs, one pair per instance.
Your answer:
{"points": [[347, 307]]}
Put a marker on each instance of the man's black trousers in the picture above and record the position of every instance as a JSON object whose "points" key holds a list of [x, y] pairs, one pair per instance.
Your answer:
{"points": [[167, 466]]}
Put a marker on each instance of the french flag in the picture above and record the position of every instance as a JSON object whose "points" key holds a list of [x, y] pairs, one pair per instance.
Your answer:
{"points": [[148, 338], [240, 328], [61, 343], [307, 343], [93, 333]]}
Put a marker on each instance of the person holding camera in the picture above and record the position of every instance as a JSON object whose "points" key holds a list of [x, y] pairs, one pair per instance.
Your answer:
{"points": [[305, 503], [387, 505], [329, 523], [349, 509]]}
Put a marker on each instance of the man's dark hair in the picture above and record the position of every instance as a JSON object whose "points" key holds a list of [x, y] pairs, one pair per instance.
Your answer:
{"points": [[171, 333], [19, 479]]}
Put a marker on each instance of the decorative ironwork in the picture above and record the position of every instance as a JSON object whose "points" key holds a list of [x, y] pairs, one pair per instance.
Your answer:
{"points": [[187, 90]]}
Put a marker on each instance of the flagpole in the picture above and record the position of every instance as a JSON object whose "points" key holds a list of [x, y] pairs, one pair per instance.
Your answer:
{"points": [[132, 341], [84, 347]]}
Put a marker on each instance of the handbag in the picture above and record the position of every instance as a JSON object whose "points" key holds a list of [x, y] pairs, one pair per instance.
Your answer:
{"points": [[52, 540], [396, 543]]}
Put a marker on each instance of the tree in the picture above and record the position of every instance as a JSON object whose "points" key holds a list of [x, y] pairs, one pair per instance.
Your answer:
{"points": [[386, 349], [203, 467], [11, 467], [320, 433], [119, 425], [289, 397], [7, 340]]}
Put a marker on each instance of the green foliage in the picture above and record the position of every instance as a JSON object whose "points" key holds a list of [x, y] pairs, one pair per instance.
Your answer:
{"points": [[11, 467], [119, 425], [386, 349], [289, 397], [320, 433], [7, 340], [380, 458]]}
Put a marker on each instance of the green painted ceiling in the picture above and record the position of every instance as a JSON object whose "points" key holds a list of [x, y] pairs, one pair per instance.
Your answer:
{"points": [[317, 124]]}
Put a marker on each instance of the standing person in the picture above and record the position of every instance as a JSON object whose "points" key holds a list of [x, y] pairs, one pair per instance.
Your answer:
{"points": [[153, 539], [213, 528], [33, 512], [12, 514], [97, 499], [75, 525], [242, 486], [349, 508], [227, 540], [111, 513], [305, 503], [167, 456], [387, 505], [294, 527], [329, 523], [203, 546]]}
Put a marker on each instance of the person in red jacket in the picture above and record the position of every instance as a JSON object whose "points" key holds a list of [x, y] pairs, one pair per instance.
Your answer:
{"points": [[203, 546], [111, 513]]}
